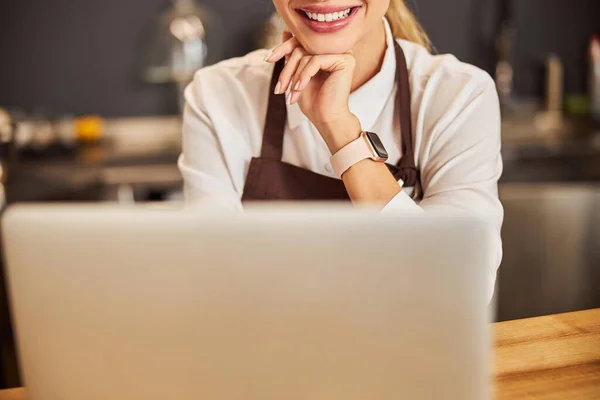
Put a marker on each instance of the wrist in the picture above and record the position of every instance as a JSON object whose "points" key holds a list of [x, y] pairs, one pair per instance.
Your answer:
{"points": [[341, 132]]}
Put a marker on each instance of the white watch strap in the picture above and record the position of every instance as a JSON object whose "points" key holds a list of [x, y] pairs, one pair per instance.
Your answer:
{"points": [[351, 154]]}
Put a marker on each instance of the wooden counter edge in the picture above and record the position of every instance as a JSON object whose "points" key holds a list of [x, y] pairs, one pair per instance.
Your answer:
{"points": [[507, 334]]}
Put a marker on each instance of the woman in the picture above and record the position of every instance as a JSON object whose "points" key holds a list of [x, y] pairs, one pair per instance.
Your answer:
{"points": [[352, 86]]}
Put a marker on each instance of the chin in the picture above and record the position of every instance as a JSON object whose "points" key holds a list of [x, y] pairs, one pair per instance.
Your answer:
{"points": [[321, 44]]}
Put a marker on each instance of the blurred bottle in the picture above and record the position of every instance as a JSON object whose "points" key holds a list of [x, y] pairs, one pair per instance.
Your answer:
{"points": [[504, 69], [550, 121], [554, 84], [595, 77]]}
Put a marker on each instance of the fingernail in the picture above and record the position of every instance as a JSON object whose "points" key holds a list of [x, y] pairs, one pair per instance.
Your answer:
{"points": [[288, 98], [268, 56], [297, 87], [278, 88]]}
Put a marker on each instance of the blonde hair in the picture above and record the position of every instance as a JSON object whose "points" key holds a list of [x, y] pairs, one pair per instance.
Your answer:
{"points": [[405, 25]]}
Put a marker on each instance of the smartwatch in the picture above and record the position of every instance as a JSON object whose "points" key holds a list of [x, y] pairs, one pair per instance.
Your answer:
{"points": [[368, 145]]}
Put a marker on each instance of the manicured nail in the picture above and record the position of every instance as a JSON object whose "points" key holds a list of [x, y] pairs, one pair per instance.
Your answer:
{"points": [[278, 88], [288, 98], [297, 87], [295, 97], [268, 56]]}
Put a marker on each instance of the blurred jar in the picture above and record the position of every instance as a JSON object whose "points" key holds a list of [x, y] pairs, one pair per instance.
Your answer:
{"points": [[44, 135], [66, 132], [89, 129], [187, 38]]}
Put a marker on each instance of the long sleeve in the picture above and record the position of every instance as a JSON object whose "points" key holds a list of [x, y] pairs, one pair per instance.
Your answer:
{"points": [[202, 163], [461, 168], [223, 122]]}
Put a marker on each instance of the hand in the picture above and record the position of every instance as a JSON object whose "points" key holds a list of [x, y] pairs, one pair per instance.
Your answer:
{"points": [[321, 85]]}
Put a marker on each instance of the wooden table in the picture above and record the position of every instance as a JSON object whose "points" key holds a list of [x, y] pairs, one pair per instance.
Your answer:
{"points": [[547, 358]]}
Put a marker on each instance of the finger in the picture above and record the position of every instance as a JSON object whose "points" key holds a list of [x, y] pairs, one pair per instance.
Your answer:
{"points": [[304, 74], [284, 49], [289, 70], [297, 82], [312, 68], [327, 63], [336, 62], [286, 35]]}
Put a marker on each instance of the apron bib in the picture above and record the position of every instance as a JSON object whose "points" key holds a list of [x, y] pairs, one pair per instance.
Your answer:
{"points": [[271, 179]]}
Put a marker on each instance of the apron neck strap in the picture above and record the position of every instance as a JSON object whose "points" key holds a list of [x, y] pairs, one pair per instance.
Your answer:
{"points": [[407, 162], [272, 146]]}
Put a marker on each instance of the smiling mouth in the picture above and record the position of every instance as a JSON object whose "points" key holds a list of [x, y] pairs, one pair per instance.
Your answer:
{"points": [[328, 17]]}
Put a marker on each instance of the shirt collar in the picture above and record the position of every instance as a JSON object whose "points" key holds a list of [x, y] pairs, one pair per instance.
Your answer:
{"points": [[368, 101]]}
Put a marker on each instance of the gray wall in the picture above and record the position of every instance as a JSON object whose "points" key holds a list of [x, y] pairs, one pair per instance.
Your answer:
{"points": [[81, 56], [554, 26]]}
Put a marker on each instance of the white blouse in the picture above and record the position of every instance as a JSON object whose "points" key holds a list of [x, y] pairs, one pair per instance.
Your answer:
{"points": [[456, 132]]}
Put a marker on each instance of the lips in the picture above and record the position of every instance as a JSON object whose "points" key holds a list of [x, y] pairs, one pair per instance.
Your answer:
{"points": [[327, 19]]}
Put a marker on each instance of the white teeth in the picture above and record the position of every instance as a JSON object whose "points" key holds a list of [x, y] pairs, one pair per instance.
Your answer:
{"points": [[329, 17]]}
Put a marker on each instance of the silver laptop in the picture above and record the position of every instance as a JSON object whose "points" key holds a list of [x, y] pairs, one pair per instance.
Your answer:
{"points": [[312, 303]]}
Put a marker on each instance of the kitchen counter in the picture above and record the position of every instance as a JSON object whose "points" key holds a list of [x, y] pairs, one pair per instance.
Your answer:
{"points": [[569, 152], [544, 358], [134, 152], [79, 177], [144, 151]]}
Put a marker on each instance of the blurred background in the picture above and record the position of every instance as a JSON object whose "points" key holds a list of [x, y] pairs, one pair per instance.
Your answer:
{"points": [[90, 98]]}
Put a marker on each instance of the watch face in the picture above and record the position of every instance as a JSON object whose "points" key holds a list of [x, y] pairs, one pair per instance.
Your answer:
{"points": [[377, 145]]}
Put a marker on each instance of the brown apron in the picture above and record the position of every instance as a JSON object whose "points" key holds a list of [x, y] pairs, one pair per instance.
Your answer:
{"points": [[269, 178]]}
